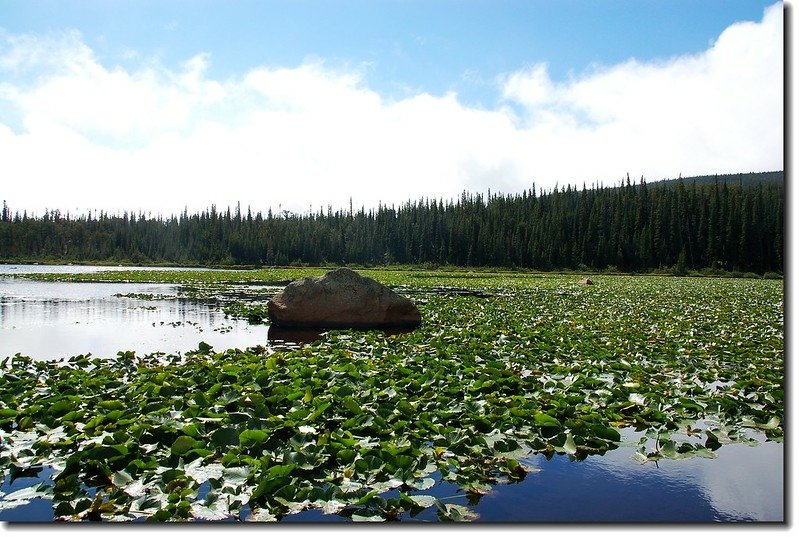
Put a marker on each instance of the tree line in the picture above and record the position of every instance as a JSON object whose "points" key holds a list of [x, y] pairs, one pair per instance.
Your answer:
{"points": [[732, 223]]}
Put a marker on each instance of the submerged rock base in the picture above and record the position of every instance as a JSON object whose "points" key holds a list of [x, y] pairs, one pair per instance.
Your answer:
{"points": [[341, 298]]}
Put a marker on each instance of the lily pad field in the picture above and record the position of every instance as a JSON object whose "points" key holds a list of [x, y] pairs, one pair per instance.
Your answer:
{"points": [[508, 369]]}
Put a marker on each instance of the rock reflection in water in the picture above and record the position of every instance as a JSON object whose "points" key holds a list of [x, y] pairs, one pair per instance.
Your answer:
{"points": [[293, 336], [286, 337]]}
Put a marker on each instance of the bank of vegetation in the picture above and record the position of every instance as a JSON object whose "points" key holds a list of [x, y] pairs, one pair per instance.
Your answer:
{"points": [[716, 223]]}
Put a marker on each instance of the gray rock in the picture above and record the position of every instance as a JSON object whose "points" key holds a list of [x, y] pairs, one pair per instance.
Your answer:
{"points": [[341, 298]]}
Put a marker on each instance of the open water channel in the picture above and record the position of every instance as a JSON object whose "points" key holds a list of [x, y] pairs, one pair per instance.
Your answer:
{"points": [[54, 320], [48, 320]]}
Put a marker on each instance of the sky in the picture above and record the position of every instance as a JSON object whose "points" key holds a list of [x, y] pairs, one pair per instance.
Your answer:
{"points": [[299, 105]]}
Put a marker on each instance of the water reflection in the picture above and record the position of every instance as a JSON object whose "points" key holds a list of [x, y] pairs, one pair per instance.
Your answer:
{"points": [[744, 483], [297, 336], [52, 320], [749, 486], [80, 269], [282, 336]]}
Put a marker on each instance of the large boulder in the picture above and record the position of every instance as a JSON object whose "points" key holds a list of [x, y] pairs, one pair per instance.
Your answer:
{"points": [[341, 298]]}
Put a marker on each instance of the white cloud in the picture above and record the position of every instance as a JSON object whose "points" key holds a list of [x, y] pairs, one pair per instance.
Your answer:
{"points": [[719, 111], [76, 134], [531, 87]]}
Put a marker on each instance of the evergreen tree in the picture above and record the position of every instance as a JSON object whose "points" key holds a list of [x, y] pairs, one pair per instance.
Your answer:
{"points": [[706, 222]]}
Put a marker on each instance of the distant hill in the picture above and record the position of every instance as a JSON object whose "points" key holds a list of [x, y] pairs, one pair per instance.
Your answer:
{"points": [[743, 179]]}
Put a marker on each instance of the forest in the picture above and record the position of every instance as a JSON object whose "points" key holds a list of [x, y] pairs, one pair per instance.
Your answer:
{"points": [[724, 222]]}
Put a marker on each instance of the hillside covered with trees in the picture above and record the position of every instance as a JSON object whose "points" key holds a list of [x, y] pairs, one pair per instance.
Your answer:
{"points": [[732, 222]]}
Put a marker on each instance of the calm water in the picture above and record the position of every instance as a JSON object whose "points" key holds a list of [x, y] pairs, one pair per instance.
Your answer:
{"points": [[743, 484], [54, 320], [77, 269]]}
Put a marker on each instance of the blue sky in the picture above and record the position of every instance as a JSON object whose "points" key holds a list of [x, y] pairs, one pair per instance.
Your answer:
{"points": [[527, 74], [402, 45]]}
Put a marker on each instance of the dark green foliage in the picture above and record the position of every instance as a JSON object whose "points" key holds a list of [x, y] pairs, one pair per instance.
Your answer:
{"points": [[730, 223], [352, 421]]}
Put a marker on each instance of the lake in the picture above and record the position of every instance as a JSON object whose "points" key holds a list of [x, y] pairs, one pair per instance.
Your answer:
{"points": [[744, 483], [51, 320], [55, 320]]}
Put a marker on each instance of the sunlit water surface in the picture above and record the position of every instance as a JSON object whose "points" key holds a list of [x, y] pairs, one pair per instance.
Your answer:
{"points": [[742, 484], [55, 320]]}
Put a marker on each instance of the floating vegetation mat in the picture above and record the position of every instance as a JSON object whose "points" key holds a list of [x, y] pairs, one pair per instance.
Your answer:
{"points": [[366, 425]]}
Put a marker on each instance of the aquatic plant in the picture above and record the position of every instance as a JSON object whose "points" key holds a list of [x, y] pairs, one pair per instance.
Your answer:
{"points": [[367, 425]]}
